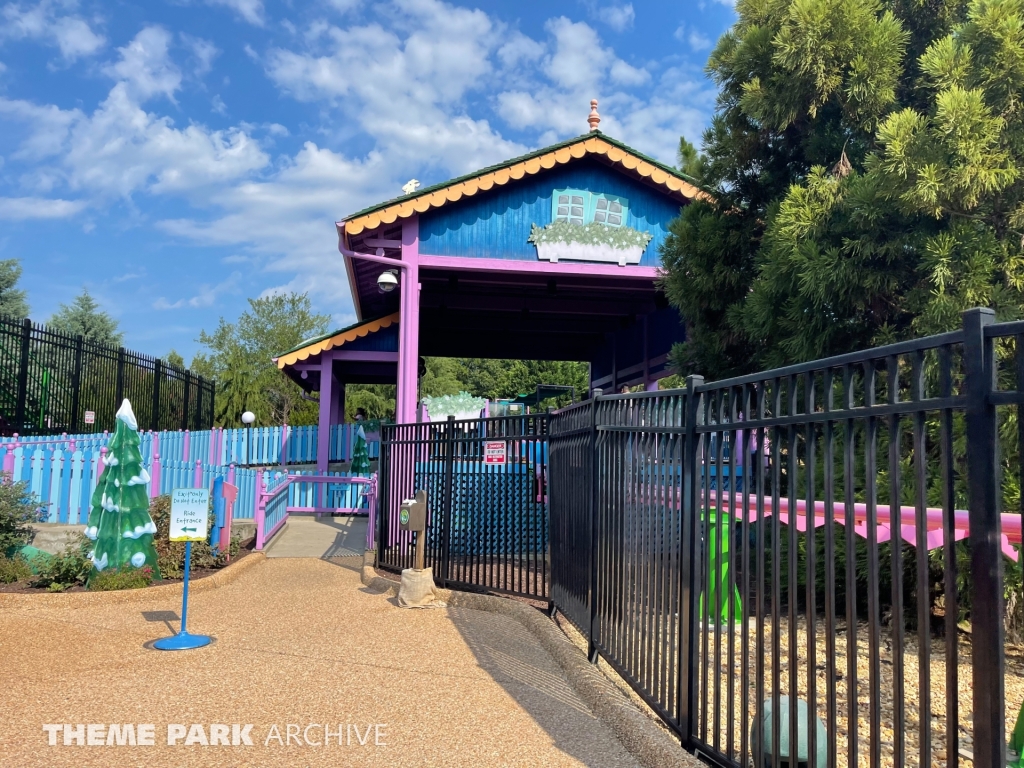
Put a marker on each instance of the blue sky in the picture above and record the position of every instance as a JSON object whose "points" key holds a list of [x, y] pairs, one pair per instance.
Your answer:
{"points": [[179, 156]]}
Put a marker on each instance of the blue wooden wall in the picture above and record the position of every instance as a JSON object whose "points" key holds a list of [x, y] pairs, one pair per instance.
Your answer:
{"points": [[384, 340], [496, 224]]}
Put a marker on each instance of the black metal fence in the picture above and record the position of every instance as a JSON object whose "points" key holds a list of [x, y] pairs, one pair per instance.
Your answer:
{"points": [[49, 380], [773, 559], [486, 484]]}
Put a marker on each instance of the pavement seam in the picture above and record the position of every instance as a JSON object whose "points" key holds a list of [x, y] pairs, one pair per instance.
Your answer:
{"points": [[642, 738]]}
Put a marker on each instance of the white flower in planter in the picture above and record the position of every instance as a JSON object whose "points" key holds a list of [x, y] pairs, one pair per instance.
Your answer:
{"points": [[589, 242]]}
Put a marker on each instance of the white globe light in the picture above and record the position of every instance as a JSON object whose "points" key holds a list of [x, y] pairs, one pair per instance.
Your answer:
{"points": [[248, 417]]}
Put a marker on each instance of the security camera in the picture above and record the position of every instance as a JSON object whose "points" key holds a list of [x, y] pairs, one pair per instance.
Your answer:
{"points": [[388, 281]]}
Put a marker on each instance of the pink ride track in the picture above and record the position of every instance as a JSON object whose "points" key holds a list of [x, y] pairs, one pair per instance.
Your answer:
{"points": [[740, 504]]}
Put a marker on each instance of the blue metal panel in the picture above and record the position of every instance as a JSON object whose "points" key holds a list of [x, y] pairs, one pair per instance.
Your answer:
{"points": [[496, 224], [384, 340]]}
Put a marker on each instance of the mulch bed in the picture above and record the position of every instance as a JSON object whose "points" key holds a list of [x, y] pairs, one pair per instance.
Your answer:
{"points": [[246, 547]]}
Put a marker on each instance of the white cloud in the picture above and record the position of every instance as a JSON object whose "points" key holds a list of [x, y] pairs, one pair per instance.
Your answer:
{"points": [[407, 93], [693, 37], [22, 208], [206, 296], [217, 105], [120, 148], [520, 49], [145, 66], [618, 17], [203, 53], [343, 6], [250, 10], [288, 217], [46, 21]]}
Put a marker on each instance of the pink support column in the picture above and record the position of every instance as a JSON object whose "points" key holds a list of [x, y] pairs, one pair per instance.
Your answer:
{"points": [[197, 478], [9, 458], [409, 326], [284, 444], [186, 452], [323, 435], [154, 472], [652, 386], [260, 512]]}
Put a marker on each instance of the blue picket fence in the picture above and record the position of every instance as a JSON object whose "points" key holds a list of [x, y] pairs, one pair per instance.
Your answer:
{"points": [[62, 482], [260, 446]]}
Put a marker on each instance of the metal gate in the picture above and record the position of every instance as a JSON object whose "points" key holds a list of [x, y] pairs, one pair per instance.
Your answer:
{"points": [[487, 498]]}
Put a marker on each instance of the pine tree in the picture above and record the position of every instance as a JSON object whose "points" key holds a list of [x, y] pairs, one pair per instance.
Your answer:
{"points": [[120, 522], [13, 301], [800, 254], [84, 316], [360, 453]]}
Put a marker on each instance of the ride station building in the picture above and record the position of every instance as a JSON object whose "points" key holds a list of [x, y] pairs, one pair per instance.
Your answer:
{"points": [[554, 255]]}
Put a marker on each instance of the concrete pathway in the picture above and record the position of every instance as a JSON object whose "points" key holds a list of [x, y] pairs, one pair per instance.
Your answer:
{"points": [[298, 642], [309, 536]]}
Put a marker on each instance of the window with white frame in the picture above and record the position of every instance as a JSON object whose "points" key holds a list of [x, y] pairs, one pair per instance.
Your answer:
{"points": [[577, 206]]}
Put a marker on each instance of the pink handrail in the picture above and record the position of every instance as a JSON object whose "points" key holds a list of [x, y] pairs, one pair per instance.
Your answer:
{"points": [[263, 496]]}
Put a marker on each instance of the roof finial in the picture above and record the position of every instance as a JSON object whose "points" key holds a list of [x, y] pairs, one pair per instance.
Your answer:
{"points": [[594, 118]]}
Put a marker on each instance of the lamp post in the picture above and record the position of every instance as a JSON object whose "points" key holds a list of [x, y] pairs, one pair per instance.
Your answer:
{"points": [[248, 418]]}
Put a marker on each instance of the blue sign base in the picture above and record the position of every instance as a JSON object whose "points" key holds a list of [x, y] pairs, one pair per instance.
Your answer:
{"points": [[182, 641]]}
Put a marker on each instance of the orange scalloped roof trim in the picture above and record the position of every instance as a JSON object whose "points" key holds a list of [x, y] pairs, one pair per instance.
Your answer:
{"points": [[595, 145], [336, 340]]}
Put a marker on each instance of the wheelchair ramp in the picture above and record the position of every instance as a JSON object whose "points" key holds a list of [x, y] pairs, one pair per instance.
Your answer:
{"points": [[320, 537]]}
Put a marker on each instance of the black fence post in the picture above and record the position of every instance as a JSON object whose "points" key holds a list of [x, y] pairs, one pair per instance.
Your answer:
{"points": [[119, 385], [987, 646], [198, 422], [76, 385], [446, 496], [689, 573], [184, 405], [19, 408], [595, 485], [157, 375]]}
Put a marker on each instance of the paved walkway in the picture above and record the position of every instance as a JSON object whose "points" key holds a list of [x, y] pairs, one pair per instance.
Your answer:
{"points": [[297, 641], [308, 536]]}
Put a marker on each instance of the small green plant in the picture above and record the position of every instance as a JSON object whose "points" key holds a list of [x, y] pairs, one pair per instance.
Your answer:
{"points": [[593, 233], [69, 568], [14, 569], [17, 509], [123, 578]]}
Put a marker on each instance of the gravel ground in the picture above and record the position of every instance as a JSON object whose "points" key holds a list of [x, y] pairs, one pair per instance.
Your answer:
{"points": [[729, 677], [297, 641]]}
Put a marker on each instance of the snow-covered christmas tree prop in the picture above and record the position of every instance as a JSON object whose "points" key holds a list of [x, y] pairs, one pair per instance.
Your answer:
{"points": [[360, 453], [119, 522]]}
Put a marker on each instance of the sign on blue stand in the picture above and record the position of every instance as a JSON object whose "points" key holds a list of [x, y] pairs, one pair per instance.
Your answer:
{"points": [[189, 519]]}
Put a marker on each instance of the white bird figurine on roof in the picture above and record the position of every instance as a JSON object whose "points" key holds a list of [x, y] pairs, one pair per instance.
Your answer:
{"points": [[411, 186]]}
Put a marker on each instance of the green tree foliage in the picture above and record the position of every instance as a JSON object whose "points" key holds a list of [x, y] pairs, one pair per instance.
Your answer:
{"points": [[84, 316], [174, 360], [689, 159], [376, 401], [13, 301], [803, 251], [240, 356], [17, 511], [498, 379]]}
